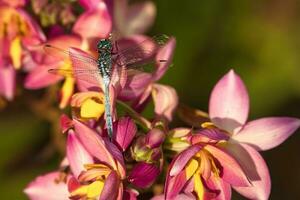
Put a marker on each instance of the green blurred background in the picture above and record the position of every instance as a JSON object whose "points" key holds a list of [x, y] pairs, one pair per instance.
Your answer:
{"points": [[258, 39]]}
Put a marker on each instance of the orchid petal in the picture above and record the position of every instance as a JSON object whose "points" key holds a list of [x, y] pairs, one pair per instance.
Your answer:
{"points": [[117, 154], [88, 4], [182, 159], [133, 19], [255, 168], [174, 185], [135, 86], [165, 100], [154, 138], [40, 187], [7, 82], [65, 123], [111, 187], [229, 103], [99, 16], [143, 174], [218, 184], [178, 197], [208, 135], [231, 170], [93, 143], [140, 17], [36, 35], [14, 3], [77, 155], [166, 54], [40, 77], [130, 194], [267, 133], [125, 130]]}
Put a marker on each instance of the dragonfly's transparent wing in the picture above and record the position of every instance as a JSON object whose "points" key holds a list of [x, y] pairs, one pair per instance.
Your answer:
{"points": [[84, 66], [141, 54], [69, 54], [91, 76]]}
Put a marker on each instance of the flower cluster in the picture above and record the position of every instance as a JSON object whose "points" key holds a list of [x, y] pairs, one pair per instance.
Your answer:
{"points": [[146, 156]]}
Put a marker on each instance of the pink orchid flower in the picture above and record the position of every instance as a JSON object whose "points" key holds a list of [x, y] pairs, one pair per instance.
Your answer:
{"points": [[18, 31], [83, 35], [229, 133], [204, 170], [228, 111], [92, 160]]}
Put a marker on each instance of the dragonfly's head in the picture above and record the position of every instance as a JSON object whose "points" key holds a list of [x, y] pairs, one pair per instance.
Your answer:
{"points": [[104, 45]]}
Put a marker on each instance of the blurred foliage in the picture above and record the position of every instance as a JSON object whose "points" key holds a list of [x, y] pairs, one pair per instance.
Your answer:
{"points": [[259, 39]]}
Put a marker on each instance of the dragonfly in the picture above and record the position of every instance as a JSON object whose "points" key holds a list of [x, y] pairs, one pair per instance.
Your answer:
{"points": [[99, 69]]}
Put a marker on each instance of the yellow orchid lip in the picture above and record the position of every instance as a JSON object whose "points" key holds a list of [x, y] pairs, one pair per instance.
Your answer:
{"points": [[90, 191], [202, 165], [88, 105]]}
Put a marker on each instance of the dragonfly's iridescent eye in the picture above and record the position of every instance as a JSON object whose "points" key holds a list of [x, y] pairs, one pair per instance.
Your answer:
{"points": [[104, 44]]}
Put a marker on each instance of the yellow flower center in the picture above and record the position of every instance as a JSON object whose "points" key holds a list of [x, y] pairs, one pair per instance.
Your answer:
{"points": [[202, 165], [93, 182]]}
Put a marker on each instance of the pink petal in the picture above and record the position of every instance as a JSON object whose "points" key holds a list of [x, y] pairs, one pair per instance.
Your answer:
{"points": [[77, 154], [95, 22], [165, 100], [143, 174], [178, 197], [229, 103], [65, 123], [231, 170], [165, 53], [174, 185], [14, 3], [39, 77], [135, 86], [256, 170], [140, 17], [208, 135], [88, 4], [93, 143], [111, 187], [220, 186], [117, 154], [125, 130], [182, 159], [7, 82], [36, 35], [267, 133], [46, 187], [130, 194], [154, 138]]}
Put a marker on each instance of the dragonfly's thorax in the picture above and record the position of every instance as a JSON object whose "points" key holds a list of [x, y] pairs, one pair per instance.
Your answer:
{"points": [[104, 48]]}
